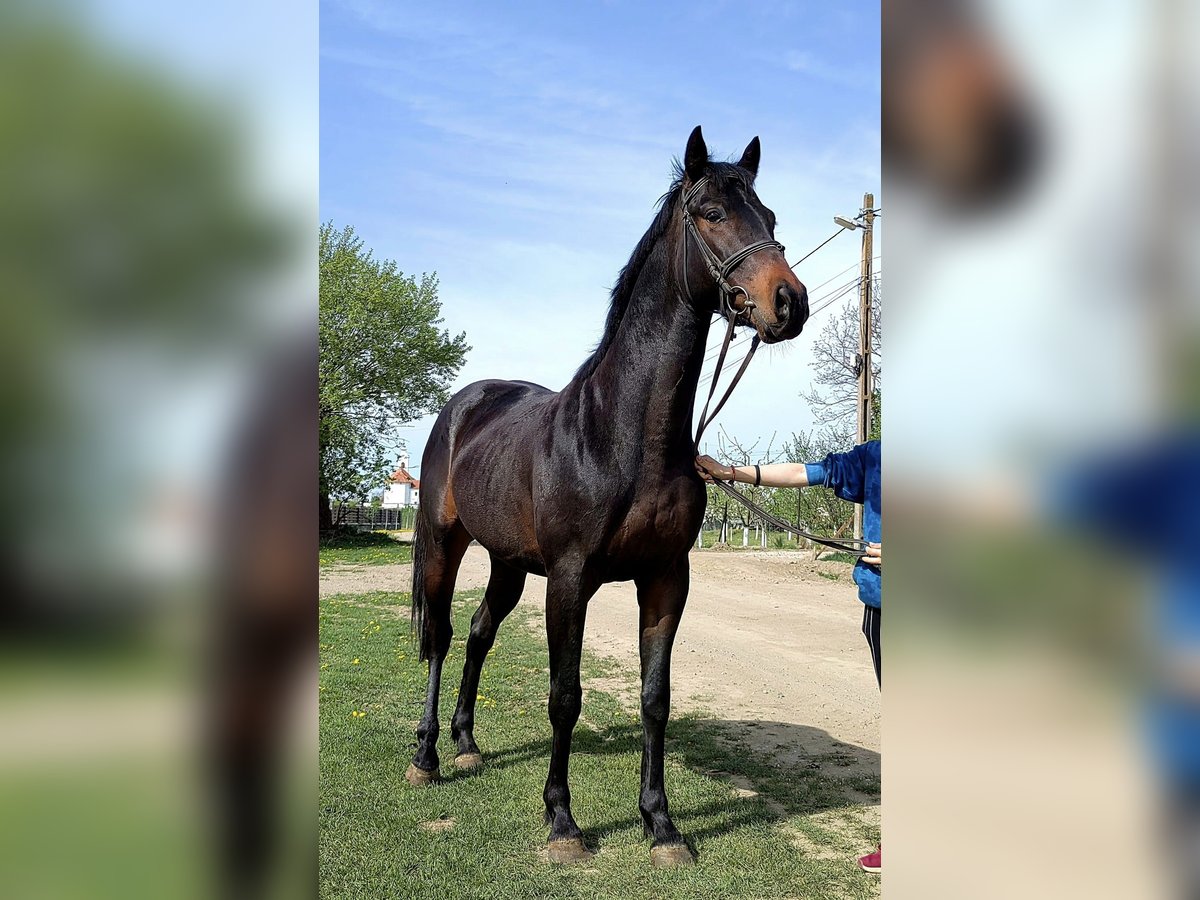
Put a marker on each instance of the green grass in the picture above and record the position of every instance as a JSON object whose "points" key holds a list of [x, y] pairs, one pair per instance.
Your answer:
{"points": [[839, 556], [110, 819], [370, 548], [373, 836]]}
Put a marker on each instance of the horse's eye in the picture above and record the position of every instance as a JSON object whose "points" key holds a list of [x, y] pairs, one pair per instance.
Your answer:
{"points": [[714, 215]]}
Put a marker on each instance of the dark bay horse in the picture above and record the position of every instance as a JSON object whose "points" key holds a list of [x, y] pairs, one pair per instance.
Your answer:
{"points": [[595, 483]]}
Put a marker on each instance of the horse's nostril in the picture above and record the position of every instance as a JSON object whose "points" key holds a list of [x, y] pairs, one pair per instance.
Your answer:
{"points": [[783, 303]]}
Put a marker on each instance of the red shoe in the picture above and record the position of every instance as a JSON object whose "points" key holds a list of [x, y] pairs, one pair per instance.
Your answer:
{"points": [[872, 862]]}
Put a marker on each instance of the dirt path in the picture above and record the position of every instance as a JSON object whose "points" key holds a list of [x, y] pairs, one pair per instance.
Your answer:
{"points": [[770, 642]]}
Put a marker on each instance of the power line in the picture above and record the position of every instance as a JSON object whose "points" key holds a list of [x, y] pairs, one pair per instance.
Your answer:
{"points": [[720, 336], [841, 273], [815, 306], [841, 292], [713, 351], [824, 303], [818, 247]]}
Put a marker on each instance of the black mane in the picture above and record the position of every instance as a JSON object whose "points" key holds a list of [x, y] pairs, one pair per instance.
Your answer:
{"points": [[721, 175]]}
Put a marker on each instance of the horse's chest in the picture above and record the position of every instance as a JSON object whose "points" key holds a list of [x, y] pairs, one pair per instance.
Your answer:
{"points": [[661, 519]]}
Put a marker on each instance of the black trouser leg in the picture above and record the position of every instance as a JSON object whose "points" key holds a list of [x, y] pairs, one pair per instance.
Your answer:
{"points": [[870, 629]]}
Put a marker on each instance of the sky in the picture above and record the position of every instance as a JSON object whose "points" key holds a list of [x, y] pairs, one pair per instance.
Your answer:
{"points": [[518, 150]]}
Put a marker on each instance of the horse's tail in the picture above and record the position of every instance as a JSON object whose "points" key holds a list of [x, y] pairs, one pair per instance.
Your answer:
{"points": [[420, 602]]}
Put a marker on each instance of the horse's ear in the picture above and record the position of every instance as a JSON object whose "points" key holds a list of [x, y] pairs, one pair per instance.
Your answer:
{"points": [[695, 158], [750, 157]]}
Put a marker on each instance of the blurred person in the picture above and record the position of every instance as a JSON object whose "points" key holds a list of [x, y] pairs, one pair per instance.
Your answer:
{"points": [[1137, 500], [1145, 498], [855, 477], [1077, 346]]}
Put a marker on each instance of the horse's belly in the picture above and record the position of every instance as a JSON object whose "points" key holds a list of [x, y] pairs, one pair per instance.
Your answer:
{"points": [[492, 500], [505, 530]]}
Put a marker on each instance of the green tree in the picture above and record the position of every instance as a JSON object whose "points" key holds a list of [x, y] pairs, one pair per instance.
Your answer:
{"points": [[137, 255], [383, 362]]}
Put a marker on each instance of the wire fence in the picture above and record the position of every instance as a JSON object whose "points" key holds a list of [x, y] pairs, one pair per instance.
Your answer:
{"points": [[718, 531]]}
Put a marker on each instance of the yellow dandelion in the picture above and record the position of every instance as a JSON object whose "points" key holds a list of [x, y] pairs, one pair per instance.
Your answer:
{"points": [[355, 661], [357, 714]]}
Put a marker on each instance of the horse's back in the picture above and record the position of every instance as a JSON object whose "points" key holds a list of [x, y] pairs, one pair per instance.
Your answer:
{"points": [[483, 404]]}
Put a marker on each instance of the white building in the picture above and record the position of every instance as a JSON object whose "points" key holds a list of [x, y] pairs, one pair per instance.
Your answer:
{"points": [[402, 489]]}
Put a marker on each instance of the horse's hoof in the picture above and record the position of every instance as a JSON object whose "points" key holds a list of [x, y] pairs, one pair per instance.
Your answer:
{"points": [[568, 851], [419, 777], [467, 761], [671, 855]]}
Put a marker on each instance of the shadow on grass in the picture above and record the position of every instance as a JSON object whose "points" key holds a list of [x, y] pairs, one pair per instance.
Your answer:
{"points": [[347, 546], [349, 538], [809, 772]]}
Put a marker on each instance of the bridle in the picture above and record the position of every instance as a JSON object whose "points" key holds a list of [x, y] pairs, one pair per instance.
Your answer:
{"points": [[720, 270]]}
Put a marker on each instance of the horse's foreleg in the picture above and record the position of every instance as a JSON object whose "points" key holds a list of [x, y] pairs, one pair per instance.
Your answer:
{"points": [[566, 610], [503, 591], [661, 599]]}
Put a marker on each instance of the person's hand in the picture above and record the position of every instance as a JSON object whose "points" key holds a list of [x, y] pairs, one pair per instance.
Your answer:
{"points": [[874, 555], [709, 467]]}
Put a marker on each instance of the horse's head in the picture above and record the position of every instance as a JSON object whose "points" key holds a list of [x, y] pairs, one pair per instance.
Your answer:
{"points": [[729, 241]]}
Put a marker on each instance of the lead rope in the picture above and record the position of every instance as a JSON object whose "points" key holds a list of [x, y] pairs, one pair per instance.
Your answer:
{"points": [[720, 272]]}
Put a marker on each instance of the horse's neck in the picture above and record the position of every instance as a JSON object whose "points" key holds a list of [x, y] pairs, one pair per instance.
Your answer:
{"points": [[650, 373]]}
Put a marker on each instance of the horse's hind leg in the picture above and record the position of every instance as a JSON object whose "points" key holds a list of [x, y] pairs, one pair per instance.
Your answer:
{"points": [[503, 591], [442, 548]]}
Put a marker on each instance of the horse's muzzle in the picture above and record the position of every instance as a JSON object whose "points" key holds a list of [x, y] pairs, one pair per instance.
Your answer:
{"points": [[790, 308]]}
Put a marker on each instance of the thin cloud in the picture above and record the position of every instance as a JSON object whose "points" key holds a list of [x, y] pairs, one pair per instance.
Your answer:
{"points": [[851, 74]]}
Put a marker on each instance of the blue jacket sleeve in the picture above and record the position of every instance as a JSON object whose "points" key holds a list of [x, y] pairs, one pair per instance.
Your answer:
{"points": [[1145, 495], [845, 473]]}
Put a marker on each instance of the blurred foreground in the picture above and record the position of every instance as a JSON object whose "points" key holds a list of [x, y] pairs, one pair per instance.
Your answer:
{"points": [[1042, 720], [157, 357]]}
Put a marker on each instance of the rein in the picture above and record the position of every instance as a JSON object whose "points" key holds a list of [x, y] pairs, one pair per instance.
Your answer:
{"points": [[720, 270]]}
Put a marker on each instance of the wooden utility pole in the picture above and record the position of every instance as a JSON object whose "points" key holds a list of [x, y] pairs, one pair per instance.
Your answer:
{"points": [[865, 387]]}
